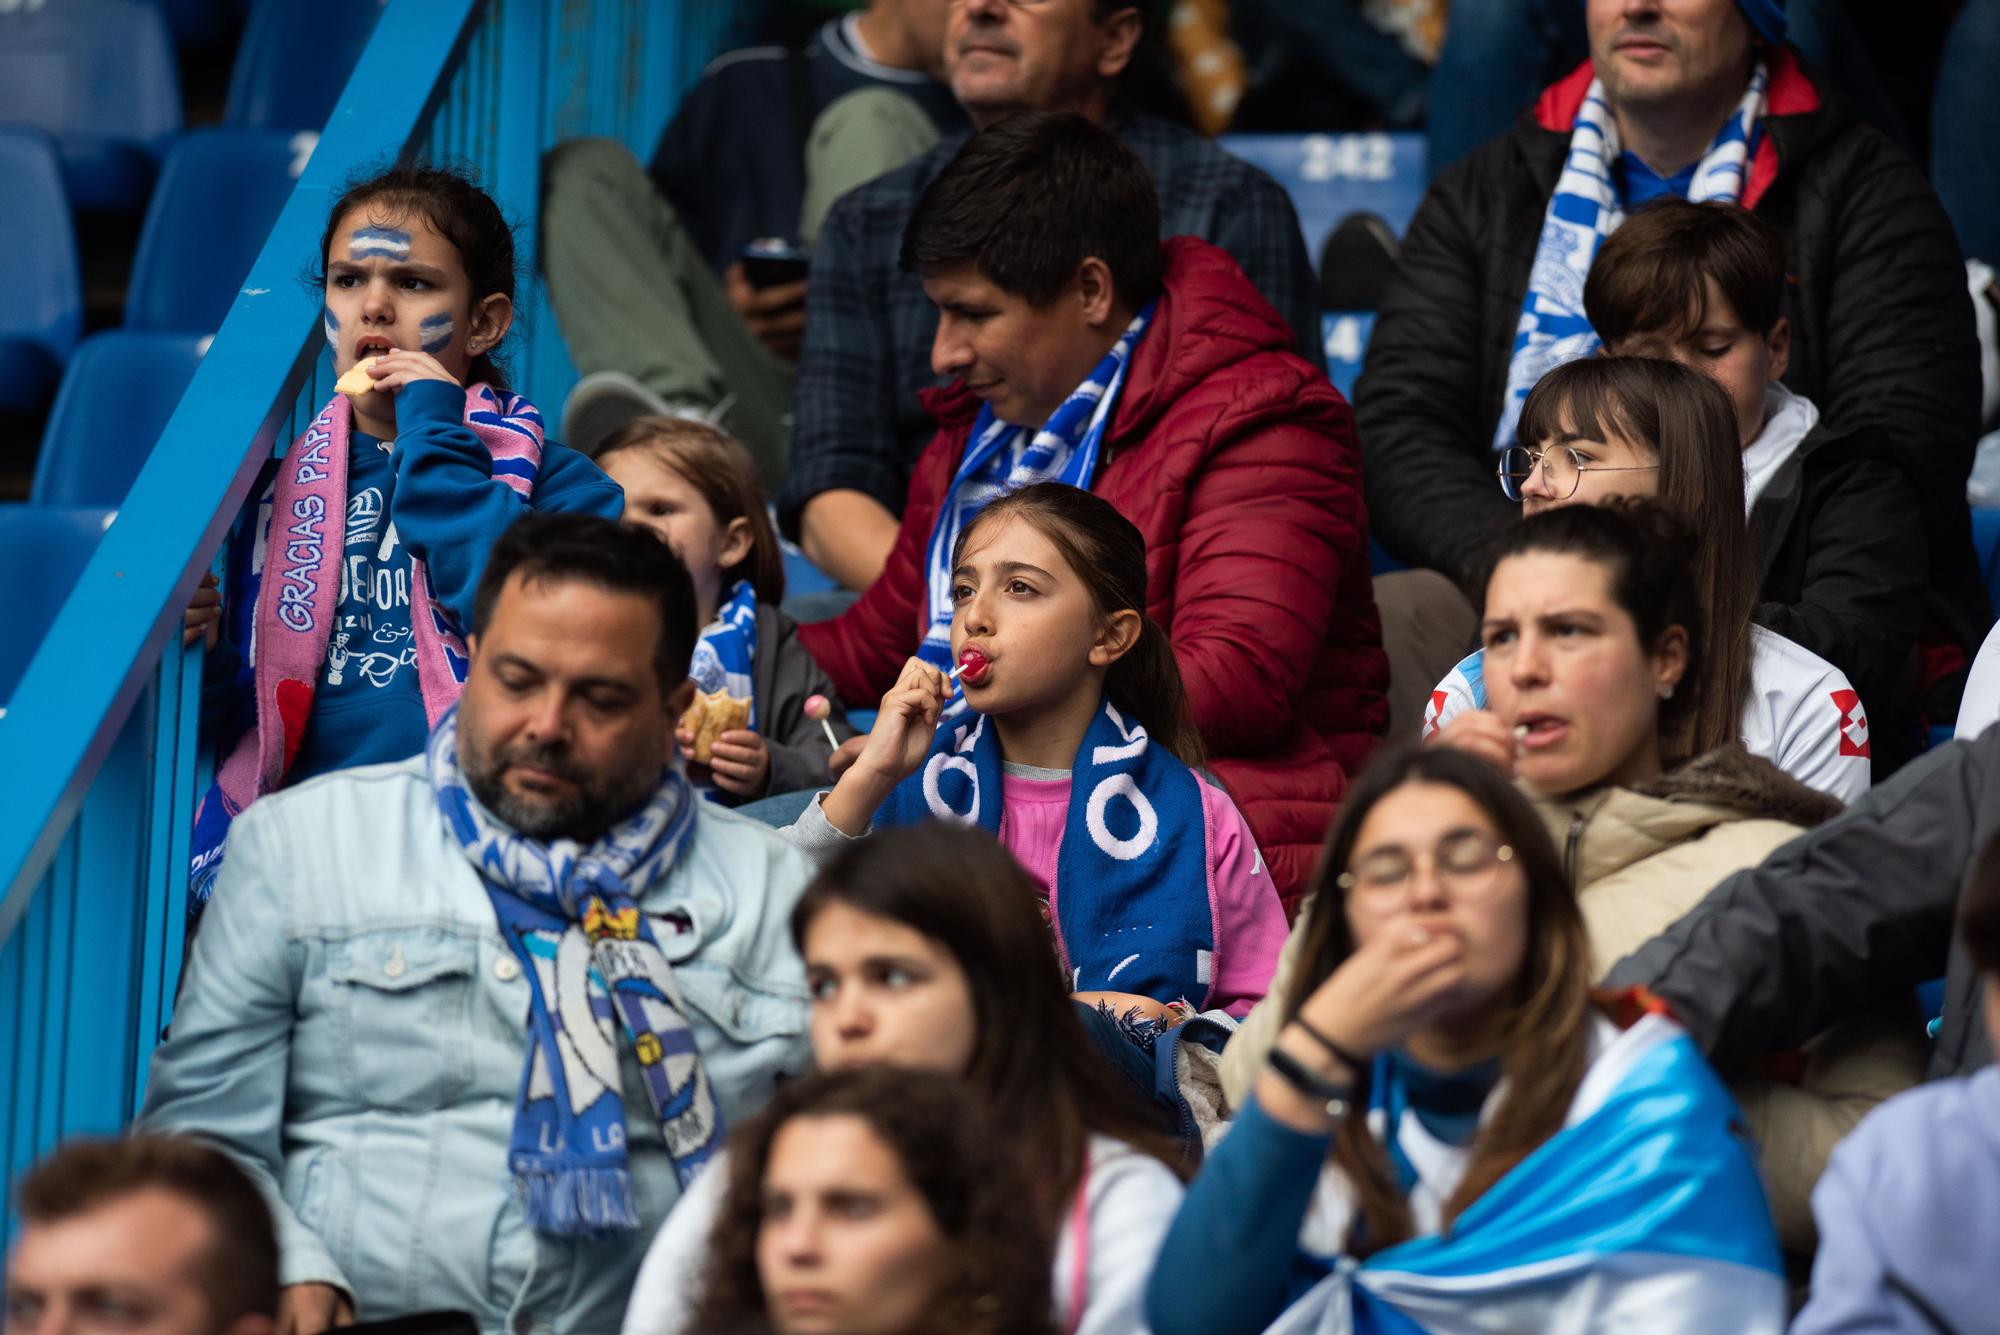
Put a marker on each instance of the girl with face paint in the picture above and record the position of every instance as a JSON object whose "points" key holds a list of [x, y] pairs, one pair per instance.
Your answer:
{"points": [[375, 525]]}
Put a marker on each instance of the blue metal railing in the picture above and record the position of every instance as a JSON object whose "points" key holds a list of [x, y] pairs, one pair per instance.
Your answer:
{"points": [[98, 743]]}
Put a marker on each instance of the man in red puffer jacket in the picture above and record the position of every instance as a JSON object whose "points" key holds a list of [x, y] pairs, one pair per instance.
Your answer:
{"points": [[1232, 454]]}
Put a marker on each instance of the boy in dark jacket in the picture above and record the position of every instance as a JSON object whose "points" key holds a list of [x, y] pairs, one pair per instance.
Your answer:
{"points": [[1881, 327], [1836, 531]]}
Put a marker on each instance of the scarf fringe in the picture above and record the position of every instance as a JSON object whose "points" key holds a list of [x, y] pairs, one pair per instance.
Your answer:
{"points": [[574, 1202]]}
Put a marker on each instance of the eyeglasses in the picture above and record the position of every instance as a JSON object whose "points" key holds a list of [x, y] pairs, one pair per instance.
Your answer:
{"points": [[1467, 865], [1562, 469]]}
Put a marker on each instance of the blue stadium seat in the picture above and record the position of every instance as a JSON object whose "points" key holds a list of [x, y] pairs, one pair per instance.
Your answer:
{"points": [[271, 87], [41, 297], [54, 544], [121, 388], [1330, 176], [219, 194], [99, 76]]}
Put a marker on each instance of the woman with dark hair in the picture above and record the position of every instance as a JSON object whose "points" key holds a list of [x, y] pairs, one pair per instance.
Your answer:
{"points": [[1593, 631], [1447, 1124], [874, 1202], [1606, 427], [923, 949]]}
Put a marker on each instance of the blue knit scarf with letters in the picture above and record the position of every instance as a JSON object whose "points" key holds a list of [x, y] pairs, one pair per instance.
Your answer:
{"points": [[1584, 210], [1131, 900], [1001, 457], [571, 915]]}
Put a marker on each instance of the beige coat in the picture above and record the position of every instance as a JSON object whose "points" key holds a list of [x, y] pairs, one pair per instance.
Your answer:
{"points": [[1640, 859]]}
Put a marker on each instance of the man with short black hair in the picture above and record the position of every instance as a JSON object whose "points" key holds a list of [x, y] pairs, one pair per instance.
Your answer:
{"points": [[859, 424], [474, 1020], [154, 1234], [1085, 351]]}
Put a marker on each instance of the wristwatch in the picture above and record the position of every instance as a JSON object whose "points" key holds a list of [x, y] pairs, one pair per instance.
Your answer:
{"points": [[1335, 1097]]}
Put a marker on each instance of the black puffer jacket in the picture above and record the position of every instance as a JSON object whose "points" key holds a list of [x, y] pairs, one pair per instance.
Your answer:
{"points": [[1841, 553], [1882, 329]]}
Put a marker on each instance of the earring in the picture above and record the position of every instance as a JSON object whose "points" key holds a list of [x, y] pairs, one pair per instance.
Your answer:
{"points": [[1667, 691]]}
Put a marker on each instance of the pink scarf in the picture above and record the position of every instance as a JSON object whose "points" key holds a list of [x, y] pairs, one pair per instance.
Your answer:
{"points": [[298, 589]]}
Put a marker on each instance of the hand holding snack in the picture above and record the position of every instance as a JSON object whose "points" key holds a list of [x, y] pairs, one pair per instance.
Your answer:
{"points": [[711, 714], [390, 371], [740, 763]]}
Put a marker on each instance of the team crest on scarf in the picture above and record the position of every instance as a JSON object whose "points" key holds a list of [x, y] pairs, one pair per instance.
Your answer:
{"points": [[1131, 902], [571, 915], [1584, 210]]}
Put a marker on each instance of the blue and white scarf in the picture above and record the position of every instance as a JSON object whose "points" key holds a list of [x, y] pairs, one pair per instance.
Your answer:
{"points": [[726, 654], [572, 916], [1644, 1211], [1584, 210], [725, 657], [1132, 903], [1002, 457]]}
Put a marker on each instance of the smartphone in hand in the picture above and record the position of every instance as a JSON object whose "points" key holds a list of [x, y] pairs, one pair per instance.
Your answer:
{"points": [[771, 260]]}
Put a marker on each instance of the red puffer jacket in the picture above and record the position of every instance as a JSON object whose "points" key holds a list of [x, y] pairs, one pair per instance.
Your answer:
{"points": [[1238, 462]]}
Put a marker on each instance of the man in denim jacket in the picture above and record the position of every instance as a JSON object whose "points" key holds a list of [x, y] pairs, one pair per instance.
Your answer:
{"points": [[473, 1020]]}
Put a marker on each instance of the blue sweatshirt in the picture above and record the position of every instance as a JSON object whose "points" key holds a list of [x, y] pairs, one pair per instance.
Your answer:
{"points": [[429, 494], [1909, 1215]]}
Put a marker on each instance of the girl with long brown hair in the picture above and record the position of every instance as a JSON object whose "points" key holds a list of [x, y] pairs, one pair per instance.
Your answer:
{"points": [[1609, 427], [1073, 746], [1448, 1124], [875, 1202], [923, 950]]}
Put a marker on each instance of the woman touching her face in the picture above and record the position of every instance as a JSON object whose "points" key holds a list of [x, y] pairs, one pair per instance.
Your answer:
{"points": [[1446, 1118]]}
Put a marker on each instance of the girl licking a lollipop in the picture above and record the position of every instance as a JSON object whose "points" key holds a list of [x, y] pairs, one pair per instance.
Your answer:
{"points": [[1075, 749]]}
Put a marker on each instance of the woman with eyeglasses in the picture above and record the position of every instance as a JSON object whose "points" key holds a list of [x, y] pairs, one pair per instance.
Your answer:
{"points": [[1449, 1133], [1596, 658], [1607, 427]]}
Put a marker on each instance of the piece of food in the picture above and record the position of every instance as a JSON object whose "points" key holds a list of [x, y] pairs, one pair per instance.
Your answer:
{"points": [[818, 708], [712, 714], [357, 380]]}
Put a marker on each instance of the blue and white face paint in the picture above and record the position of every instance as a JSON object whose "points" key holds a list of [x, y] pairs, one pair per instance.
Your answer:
{"points": [[330, 323], [435, 331], [379, 243]]}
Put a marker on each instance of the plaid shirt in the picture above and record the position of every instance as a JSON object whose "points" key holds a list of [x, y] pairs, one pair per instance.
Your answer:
{"points": [[857, 423]]}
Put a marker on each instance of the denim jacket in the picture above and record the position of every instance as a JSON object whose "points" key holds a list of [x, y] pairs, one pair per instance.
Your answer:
{"points": [[352, 1028]]}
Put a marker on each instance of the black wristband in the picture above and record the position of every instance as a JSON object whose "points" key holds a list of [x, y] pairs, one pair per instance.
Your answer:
{"points": [[1348, 1059], [1334, 1096]]}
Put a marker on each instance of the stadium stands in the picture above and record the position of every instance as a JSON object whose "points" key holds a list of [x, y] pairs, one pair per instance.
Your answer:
{"points": [[121, 388], [41, 298], [99, 76], [218, 195]]}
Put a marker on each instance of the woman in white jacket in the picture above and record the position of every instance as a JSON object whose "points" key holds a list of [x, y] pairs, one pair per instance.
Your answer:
{"points": [[924, 948]]}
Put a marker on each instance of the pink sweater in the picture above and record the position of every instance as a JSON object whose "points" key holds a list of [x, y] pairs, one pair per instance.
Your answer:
{"points": [[1250, 922]]}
